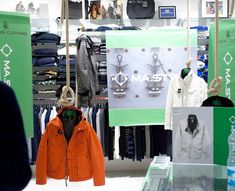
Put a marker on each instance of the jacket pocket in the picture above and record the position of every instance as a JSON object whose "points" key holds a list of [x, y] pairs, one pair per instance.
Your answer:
{"points": [[82, 167], [57, 138], [53, 162]]}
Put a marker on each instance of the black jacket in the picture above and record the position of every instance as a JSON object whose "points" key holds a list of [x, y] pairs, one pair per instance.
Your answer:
{"points": [[15, 171]]}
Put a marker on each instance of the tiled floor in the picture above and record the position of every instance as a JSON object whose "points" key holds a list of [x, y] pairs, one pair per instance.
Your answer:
{"points": [[115, 181]]}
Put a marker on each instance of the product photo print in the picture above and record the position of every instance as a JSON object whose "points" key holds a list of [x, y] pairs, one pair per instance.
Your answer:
{"points": [[192, 136]]}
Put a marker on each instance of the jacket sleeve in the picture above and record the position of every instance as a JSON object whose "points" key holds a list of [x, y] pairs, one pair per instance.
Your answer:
{"points": [[206, 142], [204, 90], [97, 157], [168, 110], [177, 141], [41, 162]]}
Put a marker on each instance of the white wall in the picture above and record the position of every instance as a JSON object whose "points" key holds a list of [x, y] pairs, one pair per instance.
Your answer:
{"points": [[54, 6], [180, 7]]}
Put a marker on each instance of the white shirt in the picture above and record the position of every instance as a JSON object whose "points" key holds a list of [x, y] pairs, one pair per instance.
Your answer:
{"points": [[53, 113], [188, 92], [43, 125], [116, 142], [98, 131]]}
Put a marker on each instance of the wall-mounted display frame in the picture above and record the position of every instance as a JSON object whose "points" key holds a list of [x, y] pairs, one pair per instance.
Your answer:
{"points": [[208, 8], [167, 12]]}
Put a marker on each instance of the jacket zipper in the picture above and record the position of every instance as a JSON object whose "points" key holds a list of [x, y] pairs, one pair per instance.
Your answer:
{"points": [[66, 160]]}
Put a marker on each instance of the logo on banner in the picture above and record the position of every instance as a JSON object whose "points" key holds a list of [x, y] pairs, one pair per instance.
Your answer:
{"points": [[6, 31], [227, 60], [228, 34], [232, 119], [227, 37], [5, 25], [6, 51]]}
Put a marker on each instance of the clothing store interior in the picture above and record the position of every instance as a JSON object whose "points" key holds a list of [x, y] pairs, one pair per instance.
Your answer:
{"points": [[118, 95]]}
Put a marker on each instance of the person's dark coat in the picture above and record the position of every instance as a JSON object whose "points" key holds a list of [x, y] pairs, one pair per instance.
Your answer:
{"points": [[15, 171]]}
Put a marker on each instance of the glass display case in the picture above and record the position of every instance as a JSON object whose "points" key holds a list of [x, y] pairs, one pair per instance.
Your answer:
{"points": [[188, 177]]}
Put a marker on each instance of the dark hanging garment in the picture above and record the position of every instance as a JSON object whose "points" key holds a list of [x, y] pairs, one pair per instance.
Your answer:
{"points": [[122, 144], [127, 143], [217, 101], [93, 116], [86, 67], [109, 137], [169, 142], [109, 142], [35, 140], [47, 117], [130, 142], [140, 142], [158, 140]]}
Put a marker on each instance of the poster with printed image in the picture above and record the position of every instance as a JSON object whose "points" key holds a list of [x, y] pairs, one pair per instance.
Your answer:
{"points": [[193, 135], [105, 9], [140, 65]]}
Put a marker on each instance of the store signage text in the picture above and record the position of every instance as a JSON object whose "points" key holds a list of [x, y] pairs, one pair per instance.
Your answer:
{"points": [[6, 31], [227, 82], [227, 60], [152, 78], [12, 32], [6, 51]]}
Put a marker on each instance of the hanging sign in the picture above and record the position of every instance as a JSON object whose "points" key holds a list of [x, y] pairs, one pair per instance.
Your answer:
{"points": [[16, 62], [140, 65], [226, 57]]}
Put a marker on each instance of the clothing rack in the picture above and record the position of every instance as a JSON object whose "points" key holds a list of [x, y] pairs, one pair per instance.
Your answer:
{"points": [[48, 101]]}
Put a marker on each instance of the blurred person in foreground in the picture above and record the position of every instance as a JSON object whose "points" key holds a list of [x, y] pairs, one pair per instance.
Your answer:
{"points": [[15, 171]]}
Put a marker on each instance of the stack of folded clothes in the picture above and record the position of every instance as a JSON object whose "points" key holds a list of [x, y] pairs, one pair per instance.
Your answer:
{"points": [[61, 80], [45, 64]]}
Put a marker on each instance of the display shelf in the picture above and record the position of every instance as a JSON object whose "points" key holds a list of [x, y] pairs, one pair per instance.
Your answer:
{"points": [[44, 96], [45, 68], [45, 87]]}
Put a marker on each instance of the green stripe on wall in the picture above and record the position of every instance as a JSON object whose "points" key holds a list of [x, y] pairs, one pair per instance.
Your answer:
{"points": [[149, 38], [129, 117], [222, 129]]}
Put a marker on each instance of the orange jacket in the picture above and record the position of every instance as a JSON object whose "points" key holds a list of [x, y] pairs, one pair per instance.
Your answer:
{"points": [[81, 159]]}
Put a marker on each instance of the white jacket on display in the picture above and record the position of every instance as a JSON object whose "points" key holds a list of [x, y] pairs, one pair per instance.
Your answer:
{"points": [[188, 92], [188, 145]]}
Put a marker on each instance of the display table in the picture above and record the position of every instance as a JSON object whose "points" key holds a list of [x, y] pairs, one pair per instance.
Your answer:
{"points": [[186, 177]]}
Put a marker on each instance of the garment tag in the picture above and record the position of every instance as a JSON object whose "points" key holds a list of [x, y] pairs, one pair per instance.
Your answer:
{"points": [[179, 91]]}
